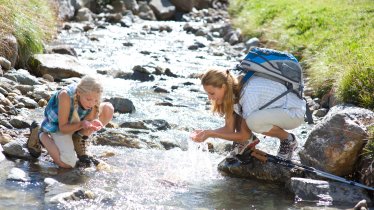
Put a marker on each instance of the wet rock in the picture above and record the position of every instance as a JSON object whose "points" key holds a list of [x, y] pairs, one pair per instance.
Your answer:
{"points": [[15, 149], [19, 122], [163, 9], [335, 144], [61, 49], [256, 169], [116, 138], [136, 125], [327, 192], [168, 144], [158, 124], [17, 174], [320, 112], [160, 90], [122, 105], [59, 193]]}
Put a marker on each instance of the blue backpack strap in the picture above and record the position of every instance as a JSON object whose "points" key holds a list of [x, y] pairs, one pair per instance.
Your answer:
{"points": [[247, 76]]}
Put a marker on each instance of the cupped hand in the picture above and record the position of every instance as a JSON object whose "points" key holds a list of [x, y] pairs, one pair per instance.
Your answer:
{"points": [[86, 124], [198, 135], [96, 125]]}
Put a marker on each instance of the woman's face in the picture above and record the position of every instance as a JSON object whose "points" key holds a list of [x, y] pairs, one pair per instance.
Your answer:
{"points": [[89, 100], [215, 93]]}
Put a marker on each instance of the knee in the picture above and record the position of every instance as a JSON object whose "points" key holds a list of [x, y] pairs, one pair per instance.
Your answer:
{"points": [[106, 110], [254, 126]]}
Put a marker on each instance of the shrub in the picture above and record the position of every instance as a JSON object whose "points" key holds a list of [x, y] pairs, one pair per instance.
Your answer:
{"points": [[32, 22]]}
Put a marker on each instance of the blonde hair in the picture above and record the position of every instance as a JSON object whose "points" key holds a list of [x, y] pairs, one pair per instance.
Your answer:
{"points": [[217, 78], [88, 84]]}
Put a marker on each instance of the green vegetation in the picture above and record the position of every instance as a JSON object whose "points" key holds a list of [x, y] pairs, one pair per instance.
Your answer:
{"points": [[334, 40], [369, 147], [31, 21]]}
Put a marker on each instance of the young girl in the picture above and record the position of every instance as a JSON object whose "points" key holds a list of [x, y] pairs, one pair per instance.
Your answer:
{"points": [[230, 98], [74, 112]]}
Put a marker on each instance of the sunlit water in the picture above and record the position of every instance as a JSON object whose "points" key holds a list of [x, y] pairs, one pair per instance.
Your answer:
{"points": [[180, 178]]}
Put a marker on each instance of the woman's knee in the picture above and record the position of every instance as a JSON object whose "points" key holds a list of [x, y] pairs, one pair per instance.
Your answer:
{"points": [[257, 126]]}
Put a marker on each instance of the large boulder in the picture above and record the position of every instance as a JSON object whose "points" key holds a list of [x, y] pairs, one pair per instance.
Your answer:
{"points": [[66, 9], [58, 66], [163, 9], [9, 49], [335, 144]]}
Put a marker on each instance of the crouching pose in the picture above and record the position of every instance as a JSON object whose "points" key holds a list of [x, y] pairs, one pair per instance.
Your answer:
{"points": [[231, 99], [72, 114]]}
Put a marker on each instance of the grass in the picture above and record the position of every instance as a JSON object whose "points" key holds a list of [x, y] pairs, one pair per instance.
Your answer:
{"points": [[32, 22], [369, 147], [334, 40]]}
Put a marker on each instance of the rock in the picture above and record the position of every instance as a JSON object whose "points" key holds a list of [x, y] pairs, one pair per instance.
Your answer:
{"points": [[58, 66], [19, 122], [4, 139], [335, 144], [15, 149], [17, 174], [122, 105], [163, 9], [2, 157], [9, 49], [326, 191]]}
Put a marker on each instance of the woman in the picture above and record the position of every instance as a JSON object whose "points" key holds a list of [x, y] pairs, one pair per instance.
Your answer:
{"points": [[230, 98]]}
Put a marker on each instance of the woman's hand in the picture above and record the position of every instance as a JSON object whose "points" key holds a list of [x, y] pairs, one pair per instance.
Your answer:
{"points": [[199, 135]]}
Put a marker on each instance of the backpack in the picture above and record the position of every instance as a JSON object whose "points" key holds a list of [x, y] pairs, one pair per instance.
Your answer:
{"points": [[278, 66]]}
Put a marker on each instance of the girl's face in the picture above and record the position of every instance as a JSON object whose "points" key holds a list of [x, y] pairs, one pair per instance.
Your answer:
{"points": [[89, 100], [215, 94]]}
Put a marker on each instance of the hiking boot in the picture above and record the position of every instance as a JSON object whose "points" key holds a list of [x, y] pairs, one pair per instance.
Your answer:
{"points": [[287, 147], [86, 161], [80, 144], [240, 148], [33, 145], [80, 147]]}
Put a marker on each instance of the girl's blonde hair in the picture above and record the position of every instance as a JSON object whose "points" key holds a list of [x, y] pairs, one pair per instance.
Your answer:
{"points": [[88, 84], [217, 78]]}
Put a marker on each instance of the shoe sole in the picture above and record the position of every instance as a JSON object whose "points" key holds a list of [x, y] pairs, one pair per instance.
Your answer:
{"points": [[250, 146], [34, 153]]}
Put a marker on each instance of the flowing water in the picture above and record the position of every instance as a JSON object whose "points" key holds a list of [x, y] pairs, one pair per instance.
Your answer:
{"points": [[179, 178]]}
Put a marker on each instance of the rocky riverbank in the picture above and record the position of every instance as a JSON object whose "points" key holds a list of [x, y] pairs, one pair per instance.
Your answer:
{"points": [[157, 65]]}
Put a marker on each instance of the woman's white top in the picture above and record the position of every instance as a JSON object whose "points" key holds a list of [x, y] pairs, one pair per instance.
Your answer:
{"points": [[258, 91]]}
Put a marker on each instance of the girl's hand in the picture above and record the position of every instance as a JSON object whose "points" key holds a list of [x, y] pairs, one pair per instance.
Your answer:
{"points": [[86, 124], [96, 125], [199, 135]]}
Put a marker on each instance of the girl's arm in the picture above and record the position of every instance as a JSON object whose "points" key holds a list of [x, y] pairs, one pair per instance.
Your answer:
{"points": [[228, 132], [63, 114]]}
